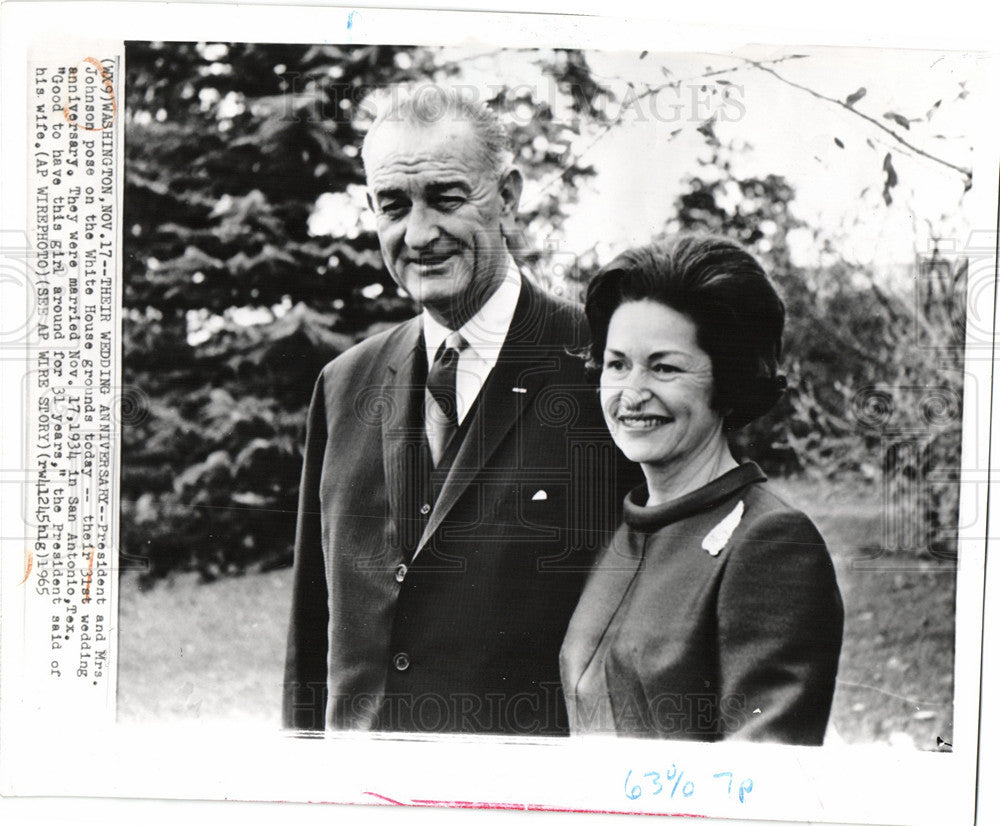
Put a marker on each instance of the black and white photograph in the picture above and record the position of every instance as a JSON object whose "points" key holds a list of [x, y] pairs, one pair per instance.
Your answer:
{"points": [[695, 416], [533, 400]]}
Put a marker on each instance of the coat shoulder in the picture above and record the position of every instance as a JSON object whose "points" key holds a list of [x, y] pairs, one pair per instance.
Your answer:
{"points": [[768, 513], [374, 352], [564, 317], [550, 326], [778, 550]]}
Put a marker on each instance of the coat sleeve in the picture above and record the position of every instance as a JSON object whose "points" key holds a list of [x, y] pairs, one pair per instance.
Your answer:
{"points": [[781, 622], [304, 697]]}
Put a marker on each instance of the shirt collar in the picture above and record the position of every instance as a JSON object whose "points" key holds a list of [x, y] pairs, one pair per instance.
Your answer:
{"points": [[486, 331]]}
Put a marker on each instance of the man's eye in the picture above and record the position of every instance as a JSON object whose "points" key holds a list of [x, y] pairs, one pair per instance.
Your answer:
{"points": [[392, 208], [450, 202]]}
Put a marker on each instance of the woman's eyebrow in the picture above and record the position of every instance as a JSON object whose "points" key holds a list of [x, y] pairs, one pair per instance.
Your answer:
{"points": [[658, 354]]}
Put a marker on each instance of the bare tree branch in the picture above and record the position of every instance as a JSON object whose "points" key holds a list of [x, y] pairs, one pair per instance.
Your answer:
{"points": [[651, 91], [963, 171]]}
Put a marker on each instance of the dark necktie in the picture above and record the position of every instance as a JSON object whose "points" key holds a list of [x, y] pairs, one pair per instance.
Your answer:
{"points": [[442, 416]]}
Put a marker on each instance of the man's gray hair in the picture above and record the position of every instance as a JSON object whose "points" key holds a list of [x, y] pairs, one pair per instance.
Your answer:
{"points": [[425, 104]]}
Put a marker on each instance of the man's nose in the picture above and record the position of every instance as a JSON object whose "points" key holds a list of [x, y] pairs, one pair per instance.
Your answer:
{"points": [[421, 228]]}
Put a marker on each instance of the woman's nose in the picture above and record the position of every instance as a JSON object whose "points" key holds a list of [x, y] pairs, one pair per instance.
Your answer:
{"points": [[634, 391], [637, 380]]}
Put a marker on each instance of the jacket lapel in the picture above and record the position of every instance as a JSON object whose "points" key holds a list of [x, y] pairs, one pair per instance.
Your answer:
{"points": [[517, 376], [402, 423]]}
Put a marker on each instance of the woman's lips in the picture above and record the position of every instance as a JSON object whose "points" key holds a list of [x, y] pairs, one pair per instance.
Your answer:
{"points": [[643, 421]]}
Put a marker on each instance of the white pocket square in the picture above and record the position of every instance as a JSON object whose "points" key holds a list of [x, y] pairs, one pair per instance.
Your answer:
{"points": [[540, 496]]}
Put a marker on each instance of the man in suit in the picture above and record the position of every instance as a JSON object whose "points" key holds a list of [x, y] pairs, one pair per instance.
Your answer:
{"points": [[458, 476]]}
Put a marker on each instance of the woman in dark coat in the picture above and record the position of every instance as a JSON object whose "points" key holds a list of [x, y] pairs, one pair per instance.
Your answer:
{"points": [[714, 613]]}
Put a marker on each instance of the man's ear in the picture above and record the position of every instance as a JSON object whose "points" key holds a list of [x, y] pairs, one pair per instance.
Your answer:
{"points": [[511, 184]]}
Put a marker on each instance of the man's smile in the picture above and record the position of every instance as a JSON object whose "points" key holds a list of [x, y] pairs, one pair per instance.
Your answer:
{"points": [[433, 259], [427, 267], [432, 263]]}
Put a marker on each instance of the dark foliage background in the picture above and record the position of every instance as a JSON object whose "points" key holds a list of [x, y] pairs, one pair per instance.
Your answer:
{"points": [[235, 299]]}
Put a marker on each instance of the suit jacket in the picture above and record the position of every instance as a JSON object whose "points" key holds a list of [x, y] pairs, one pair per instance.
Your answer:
{"points": [[436, 600], [740, 640]]}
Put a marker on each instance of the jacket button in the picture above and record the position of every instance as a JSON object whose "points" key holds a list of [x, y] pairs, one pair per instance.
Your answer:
{"points": [[401, 662], [400, 573], [425, 509]]}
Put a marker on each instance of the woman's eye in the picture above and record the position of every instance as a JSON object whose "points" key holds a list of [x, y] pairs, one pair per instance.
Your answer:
{"points": [[666, 368], [614, 365]]}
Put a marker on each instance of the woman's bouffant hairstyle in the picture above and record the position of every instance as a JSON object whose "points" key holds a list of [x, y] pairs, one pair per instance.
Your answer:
{"points": [[724, 290]]}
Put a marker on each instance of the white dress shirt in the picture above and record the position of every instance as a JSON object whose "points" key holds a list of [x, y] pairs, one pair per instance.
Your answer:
{"points": [[484, 333]]}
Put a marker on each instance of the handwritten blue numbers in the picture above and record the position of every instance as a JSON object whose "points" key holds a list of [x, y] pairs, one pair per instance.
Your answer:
{"points": [[650, 784], [687, 789], [656, 781], [635, 792], [729, 790], [745, 787]]}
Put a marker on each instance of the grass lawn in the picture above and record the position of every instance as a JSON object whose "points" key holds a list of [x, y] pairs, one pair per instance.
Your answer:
{"points": [[216, 651], [896, 677]]}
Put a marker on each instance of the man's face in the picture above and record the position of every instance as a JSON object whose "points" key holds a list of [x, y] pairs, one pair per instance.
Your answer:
{"points": [[438, 212]]}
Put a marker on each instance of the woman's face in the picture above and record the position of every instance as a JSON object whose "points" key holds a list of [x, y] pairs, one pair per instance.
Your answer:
{"points": [[656, 387]]}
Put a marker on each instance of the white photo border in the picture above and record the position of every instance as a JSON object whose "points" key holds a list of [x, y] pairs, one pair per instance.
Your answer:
{"points": [[862, 784]]}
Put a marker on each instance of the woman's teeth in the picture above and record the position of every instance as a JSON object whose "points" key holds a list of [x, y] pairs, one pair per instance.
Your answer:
{"points": [[643, 421]]}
